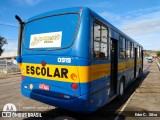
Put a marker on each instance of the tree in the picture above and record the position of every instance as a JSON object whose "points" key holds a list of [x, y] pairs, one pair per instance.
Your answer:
{"points": [[2, 42], [158, 53]]}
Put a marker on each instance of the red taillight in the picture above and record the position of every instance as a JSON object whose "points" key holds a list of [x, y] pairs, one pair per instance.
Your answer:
{"points": [[22, 77], [74, 86], [43, 63], [80, 8], [61, 95]]}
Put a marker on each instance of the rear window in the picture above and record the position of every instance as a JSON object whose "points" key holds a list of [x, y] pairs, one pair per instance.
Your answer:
{"points": [[53, 32]]}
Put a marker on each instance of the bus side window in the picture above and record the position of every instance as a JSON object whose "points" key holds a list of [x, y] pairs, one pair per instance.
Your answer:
{"points": [[138, 51], [128, 49], [122, 48], [132, 49], [100, 41]]}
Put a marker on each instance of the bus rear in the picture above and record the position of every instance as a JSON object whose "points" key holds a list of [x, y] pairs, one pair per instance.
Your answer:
{"points": [[53, 68]]}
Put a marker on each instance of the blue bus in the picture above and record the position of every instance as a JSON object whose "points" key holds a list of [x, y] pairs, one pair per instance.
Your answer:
{"points": [[75, 60]]}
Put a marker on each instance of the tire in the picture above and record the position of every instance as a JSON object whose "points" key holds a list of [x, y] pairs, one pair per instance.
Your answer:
{"points": [[140, 73], [121, 89]]}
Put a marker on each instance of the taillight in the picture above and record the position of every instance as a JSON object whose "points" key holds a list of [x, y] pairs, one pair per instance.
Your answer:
{"points": [[43, 63], [22, 77], [74, 86]]}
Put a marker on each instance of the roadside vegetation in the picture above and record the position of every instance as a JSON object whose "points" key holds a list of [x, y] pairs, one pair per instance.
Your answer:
{"points": [[2, 42], [158, 55]]}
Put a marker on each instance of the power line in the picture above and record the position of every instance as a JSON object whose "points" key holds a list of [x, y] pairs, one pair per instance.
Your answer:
{"points": [[140, 27], [10, 39], [135, 16], [8, 25]]}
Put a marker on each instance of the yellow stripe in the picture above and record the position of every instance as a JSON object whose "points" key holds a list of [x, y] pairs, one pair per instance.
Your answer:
{"points": [[125, 65], [139, 61], [84, 73], [99, 71]]}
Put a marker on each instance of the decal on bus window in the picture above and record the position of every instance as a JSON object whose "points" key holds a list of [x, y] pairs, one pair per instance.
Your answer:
{"points": [[46, 40]]}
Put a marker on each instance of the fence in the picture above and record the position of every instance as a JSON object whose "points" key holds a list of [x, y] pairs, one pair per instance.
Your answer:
{"points": [[8, 68]]}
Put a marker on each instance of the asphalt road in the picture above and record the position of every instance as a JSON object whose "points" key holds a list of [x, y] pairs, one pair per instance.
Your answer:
{"points": [[10, 93]]}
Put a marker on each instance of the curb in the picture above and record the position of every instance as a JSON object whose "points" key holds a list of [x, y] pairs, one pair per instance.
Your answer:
{"points": [[158, 64], [124, 106], [4, 74]]}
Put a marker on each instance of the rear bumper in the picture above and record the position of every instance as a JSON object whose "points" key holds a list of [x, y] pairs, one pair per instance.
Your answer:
{"points": [[78, 104]]}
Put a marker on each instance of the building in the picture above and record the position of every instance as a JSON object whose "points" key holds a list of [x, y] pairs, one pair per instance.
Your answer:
{"points": [[9, 56], [8, 62]]}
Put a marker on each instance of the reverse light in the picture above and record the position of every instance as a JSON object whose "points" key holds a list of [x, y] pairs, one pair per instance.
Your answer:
{"points": [[74, 86], [31, 86], [43, 63], [73, 76]]}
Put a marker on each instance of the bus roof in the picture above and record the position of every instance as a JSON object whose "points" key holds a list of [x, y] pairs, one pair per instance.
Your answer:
{"points": [[55, 12], [77, 10]]}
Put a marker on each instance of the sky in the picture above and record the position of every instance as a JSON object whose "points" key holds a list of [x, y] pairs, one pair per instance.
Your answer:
{"points": [[139, 19]]}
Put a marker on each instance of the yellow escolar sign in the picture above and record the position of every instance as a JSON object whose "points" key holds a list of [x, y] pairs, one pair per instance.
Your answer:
{"points": [[50, 72]]}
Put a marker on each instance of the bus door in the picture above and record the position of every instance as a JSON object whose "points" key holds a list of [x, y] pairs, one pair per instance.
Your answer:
{"points": [[114, 66], [142, 59], [135, 62]]}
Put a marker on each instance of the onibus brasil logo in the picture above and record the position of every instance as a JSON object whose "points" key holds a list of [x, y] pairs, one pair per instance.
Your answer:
{"points": [[10, 110]]}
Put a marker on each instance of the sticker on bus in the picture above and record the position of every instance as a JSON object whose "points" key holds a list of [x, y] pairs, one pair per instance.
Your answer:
{"points": [[46, 40], [44, 87]]}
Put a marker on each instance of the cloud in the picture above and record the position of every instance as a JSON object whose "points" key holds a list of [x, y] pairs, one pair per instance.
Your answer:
{"points": [[100, 4], [144, 29], [29, 2], [12, 45], [142, 25], [110, 16]]}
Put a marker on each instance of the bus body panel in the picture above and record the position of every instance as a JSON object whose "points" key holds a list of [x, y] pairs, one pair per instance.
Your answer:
{"points": [[79, 104]]}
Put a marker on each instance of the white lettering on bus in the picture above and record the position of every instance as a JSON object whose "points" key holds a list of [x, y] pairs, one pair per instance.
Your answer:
{"points": [[64, 60]]}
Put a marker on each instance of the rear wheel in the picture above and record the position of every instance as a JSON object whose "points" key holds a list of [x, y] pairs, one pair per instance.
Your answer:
{"points": [[140, 73], [121, 89]]}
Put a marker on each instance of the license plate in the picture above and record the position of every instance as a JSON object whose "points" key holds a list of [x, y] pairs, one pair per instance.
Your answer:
{"points": [[44, 87]]}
